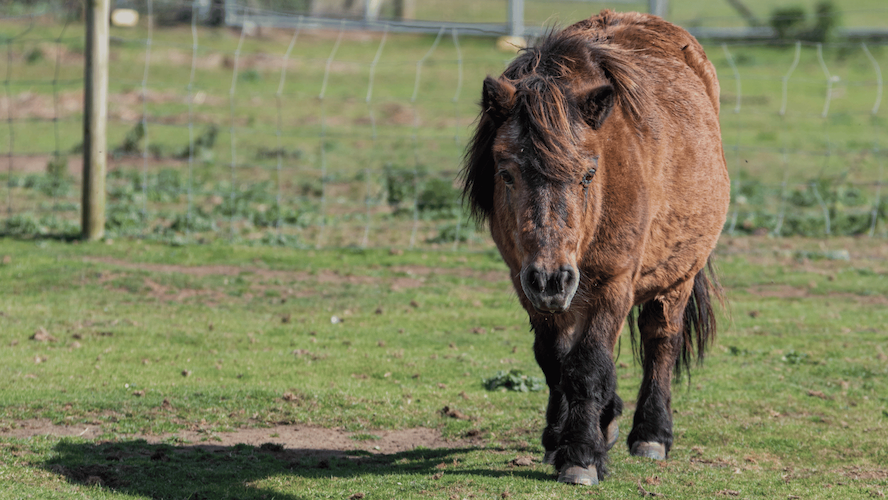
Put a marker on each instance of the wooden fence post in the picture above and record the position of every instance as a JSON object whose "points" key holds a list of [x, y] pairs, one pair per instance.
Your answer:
{"points": [[516, 18], [95, 116], [658, 7]]}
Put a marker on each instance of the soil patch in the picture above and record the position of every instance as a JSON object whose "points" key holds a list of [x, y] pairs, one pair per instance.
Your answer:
{"points": [[416, 275], [793, 292], [36, 164], [300, 439], [855, 472]]}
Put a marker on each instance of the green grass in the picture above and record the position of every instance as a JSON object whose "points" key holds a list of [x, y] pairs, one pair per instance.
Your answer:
{"points": [[790, 401]]}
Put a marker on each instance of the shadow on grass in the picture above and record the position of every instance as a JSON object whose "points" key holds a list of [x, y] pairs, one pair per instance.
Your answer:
{"points": [[203, 472], [63, 237]]}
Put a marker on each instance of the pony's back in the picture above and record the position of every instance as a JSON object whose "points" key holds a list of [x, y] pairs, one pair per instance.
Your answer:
{"points": [[652, 37]]}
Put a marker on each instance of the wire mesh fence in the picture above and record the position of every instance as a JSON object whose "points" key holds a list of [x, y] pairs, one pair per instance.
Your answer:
{"points": [[333, 137]]}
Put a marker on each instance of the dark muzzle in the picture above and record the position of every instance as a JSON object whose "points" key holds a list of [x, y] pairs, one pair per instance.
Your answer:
{"points": [[550, 292]]}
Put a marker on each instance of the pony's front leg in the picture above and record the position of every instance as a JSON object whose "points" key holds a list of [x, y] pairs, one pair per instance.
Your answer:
{"points": [[588, 384], [550, 346]]}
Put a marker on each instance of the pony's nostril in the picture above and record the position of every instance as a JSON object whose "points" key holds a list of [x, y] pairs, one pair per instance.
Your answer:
{"points": [[538, 281], [567, 278]]}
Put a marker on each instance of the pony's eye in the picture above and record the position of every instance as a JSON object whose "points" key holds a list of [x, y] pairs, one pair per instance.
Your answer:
{"points": [[507, 177], [588, 177]]}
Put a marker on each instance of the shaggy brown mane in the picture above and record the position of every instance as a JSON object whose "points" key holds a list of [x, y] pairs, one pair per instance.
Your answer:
{"points": [[547, 77], [562, 55]]}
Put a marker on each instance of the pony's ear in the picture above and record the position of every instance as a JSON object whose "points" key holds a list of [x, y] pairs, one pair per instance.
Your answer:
{"points": [[497, 99], [596, 105]]}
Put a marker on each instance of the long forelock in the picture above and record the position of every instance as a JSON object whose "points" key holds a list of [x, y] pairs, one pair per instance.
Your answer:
{"points": [[545, 109], [546, 118], [545, 113], [561, 55]]}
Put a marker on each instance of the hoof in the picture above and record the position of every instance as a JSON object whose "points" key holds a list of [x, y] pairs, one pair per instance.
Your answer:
{"points": [[613, 434], [649, 449], [579, 475]]}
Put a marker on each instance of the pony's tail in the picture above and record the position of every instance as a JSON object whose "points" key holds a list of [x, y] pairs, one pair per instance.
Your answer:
{"points": [[699, 327], [699, 318]]}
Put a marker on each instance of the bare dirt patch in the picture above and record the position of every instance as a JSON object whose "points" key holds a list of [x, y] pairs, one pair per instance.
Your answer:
{"points": [[488, 276], [796, 251], [303, 440], [855, 472], [415, 275], [163, 292], [37, 164], [780, 291]]}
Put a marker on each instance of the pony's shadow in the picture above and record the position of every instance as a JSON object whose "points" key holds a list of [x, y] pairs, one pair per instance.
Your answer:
{"points": [[209, 472]]}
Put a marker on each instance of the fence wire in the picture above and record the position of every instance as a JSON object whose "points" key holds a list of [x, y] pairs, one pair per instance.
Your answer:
{"points": [[319, 138]]}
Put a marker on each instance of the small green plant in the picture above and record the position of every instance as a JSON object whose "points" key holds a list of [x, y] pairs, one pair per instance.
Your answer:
{"points": [[203, 146], [22, 225], [34, 56], [240, 203], [401, 185], [165, 186], [250, 76], [124, 218], [57, 167], [450, 233], [55, 182], [280, 240], [56, 187], [269, 216], [793, 357], [790, 23], [439, 199], [514, 380], [361, 436], [736, 351], [130, 144], [57, 225], [787, 21], [198, 221]]}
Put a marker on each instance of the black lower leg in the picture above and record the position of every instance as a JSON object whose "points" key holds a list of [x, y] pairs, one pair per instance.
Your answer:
{"points": [[555, 413], [653, 412], [589, 385], [549, 360]]}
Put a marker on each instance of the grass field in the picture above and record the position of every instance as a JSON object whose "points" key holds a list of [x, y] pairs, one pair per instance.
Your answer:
{"points": [[177, 365], [150, 364]]}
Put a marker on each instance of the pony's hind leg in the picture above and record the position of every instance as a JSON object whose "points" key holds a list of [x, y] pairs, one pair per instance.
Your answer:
{"points": [[660, 325]]}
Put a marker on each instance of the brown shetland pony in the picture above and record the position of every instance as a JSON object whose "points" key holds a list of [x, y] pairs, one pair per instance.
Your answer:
{"points": [[598, 163]]}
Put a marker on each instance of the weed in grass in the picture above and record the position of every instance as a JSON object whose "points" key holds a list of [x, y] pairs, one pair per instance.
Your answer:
{"points": [[793, 357], [22, 225], [514, 380], [130, 144], [124, 219], [365, 437]]}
